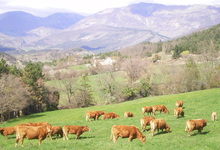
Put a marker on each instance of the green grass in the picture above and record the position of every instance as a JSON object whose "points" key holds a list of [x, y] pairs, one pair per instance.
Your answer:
{"points": [[78, 67], [197, 105]]}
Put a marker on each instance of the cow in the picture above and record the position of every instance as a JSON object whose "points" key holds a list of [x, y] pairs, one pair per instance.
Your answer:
{"points": [[195, 124], [158, 124], [55, 130], [8, 131], [177, 112], [128, 114], [93, 114], [125, 131], [179, 103], [147, 109], [160, 108], [37, 124], [146, 121], [111, 115], [214, 116], [78, 130], [31, 132]]}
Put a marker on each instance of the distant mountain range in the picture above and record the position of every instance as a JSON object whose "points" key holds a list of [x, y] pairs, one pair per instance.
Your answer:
{"points": [[110, 29]]}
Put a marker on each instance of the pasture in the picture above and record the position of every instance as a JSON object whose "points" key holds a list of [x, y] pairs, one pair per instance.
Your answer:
{"points": [[197, 105]]}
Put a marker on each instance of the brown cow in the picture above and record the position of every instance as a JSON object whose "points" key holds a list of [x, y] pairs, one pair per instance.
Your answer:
{"points": [[55, 130], [37, 124], [158, 124], [160, 108], [125, 131], [146, 121], [78, 130], [214, 116], [196, 124], [111, 115], [8, 131], [179, 103], [177, 112], [31, 132], [128, 114], [93, 114], [147, 109]]}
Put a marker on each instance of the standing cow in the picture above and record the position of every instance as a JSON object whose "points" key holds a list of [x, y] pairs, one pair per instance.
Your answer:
{"points": [[196, 124], [93, 114], [55, 130], [110, 115], [147, 109], [78, 130], [125, 131], [128, 114], [177, 112], [8, 131], [214, 116], [179, 103], [146, 121], [160, 108], [158, 124]]}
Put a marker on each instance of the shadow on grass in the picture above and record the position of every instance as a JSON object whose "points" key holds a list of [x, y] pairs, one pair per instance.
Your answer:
{"points": [[200, 133], [155, 134], [88, 137], [25, 117]]}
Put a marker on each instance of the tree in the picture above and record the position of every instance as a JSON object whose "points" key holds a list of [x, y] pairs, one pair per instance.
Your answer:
{"points": [[3, 67], [14, 95]]}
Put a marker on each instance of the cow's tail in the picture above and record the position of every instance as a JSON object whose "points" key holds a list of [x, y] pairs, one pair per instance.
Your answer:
{"points": [[64, 134], [111, 135], [187, 126]]}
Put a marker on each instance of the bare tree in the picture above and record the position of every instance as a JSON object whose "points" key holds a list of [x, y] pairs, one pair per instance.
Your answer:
{"points": [[14, 95]]}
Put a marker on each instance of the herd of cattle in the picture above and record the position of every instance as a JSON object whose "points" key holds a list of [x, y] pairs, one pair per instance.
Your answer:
{"points": [[42, 130]]}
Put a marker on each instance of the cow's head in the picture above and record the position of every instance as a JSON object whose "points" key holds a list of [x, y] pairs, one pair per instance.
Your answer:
{"points": [[86, 128], [167, 111], [205, 122], [142, 139], [48, 126], [116, 116], [182, 114], [167, 129], [101, 112]]}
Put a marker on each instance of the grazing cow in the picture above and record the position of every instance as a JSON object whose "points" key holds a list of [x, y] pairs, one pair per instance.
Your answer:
{"points": [[179, 103], [124, 131], [78, 130], [55, 130], [93, 114], [111, 115], [31, 132], [178, 111], [37, 124], [8, 131], [158, 124], [128, 114], [146, 121], [147, 109], [214, 116], [160, 108], [196, 124]]}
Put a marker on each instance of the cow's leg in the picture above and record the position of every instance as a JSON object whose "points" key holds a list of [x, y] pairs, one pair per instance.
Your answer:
{"points": [[21, 141], [130, 138], [39, 141], [16, 140], [50, 136], [5, 136], [115, 137]]}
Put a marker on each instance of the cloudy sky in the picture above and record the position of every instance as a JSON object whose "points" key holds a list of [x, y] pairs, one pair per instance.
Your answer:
{"points": [[44, 8]]}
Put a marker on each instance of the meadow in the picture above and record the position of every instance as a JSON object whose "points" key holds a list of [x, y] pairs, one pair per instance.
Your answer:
{"points": [[196, 105]]}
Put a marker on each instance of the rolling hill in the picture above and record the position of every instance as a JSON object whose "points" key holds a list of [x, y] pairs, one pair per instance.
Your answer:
{"points": [[196, 105]]}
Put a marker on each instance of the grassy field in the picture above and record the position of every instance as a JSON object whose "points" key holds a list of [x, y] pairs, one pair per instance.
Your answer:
{"points": [[197, 105]]}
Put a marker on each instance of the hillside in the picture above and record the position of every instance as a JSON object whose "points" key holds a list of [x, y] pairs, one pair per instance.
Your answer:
{"points": [[196, 105]]}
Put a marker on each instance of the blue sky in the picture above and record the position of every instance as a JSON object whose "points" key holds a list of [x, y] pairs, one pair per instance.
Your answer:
{"points": [[44, 8]]}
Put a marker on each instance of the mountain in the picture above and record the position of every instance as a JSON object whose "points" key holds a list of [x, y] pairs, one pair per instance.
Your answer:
{"points": [[116, 28], [18, 23]]}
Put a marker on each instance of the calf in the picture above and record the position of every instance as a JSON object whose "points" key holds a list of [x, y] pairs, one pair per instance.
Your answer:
{"points": [[179, 103], [178, 111], [147, 109], [55, 130], [78, 130], [214, 116], [160, 108], [158, 124], [111, 115], [146, 121], [93, 114], [196, 124], [128, 114], [31, 132], [8, 131], [125, 131]]}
